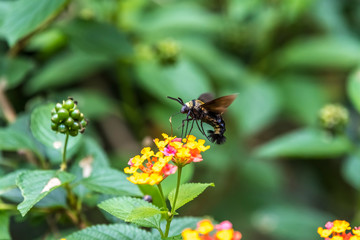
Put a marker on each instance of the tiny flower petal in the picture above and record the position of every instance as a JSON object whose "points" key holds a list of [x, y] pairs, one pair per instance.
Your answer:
{"points": [[329, 225], [188, 234], [205, 226], [224, 225]]}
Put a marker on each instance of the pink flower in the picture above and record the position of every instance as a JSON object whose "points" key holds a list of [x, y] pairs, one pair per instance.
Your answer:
{"points": [[224, 225], [169, 169], [130, 163], [176, 140], [329, 225], [169, 151]]}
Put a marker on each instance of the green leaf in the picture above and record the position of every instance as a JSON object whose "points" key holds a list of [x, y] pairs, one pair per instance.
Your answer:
{"points": [[41, 128], [108, 40], [279, 221], [202, 51], [353, 88], [13, 70], [35, 185], [91, 148], [111, 232], [20, 21], [178, 17], [8, 182], [121, 207], [141, 213], [167, 185], [306, 143], [61, 71], [178, 224], [350, 170], [5, 8], [90, 157], [341, 53], [254, 96], [15, 140], [311, 92], [187, 193], [183, 80], [110, 181], [4, 226]]}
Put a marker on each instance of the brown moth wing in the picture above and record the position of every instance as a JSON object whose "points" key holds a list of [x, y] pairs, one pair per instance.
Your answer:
{"points": [[219, 105], [206, 97]]}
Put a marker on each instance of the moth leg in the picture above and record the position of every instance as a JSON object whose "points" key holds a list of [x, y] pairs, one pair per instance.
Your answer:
{"points": [[192, 126], [201, 128], [187, 124]]}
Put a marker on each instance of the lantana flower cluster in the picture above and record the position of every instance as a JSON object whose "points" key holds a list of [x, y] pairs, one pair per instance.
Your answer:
{"points": [[182, 151], [207, 231], [337, 230], [152, 168]]}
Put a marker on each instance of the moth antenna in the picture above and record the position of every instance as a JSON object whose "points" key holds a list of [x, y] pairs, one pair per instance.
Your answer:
{"points": [[179, 100]]}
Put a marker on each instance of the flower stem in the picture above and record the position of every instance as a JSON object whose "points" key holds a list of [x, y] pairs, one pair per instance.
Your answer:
{"points": [[171, 215], [162, 196], [177, 190], [63, 164], [164, 205]]}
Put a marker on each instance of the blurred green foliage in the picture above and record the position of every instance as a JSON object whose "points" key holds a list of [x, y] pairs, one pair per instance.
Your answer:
{"points": [[278, 176]]}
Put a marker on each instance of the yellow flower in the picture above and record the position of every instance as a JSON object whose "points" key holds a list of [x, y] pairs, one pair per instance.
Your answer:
{"points": [[130, 170], [340, 226], [337, 238], [324, 233], [225, 234], [154, 178], [189, 234], [224, 231], [149, 168], [152, 168], [183, 153], [146, 152], [356, 231], [205, 226]]}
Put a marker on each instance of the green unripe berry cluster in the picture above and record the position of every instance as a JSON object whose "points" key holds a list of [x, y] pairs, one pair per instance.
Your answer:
{"points": [[334, 117], [66, 118], [167, 51]]}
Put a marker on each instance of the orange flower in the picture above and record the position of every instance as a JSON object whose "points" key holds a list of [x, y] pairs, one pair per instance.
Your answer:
{"points": [[336, 230], [156, 169], [183, 151], [189, 234], [204, 226], [223, 231], [324, 233], [340, 226]]}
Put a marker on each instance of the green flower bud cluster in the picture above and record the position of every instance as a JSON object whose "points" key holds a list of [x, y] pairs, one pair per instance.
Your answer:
{"points": [[167, 51], [334, 117], [66, 118]]}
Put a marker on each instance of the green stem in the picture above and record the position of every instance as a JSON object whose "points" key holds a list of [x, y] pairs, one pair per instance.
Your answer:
{"points": [[171, 215], [162, 196], [177, 190], [63, 164], [164, 206]]}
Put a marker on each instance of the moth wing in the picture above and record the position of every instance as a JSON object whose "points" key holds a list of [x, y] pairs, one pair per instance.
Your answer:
{"points": [[219, 105], [206, 97]]}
